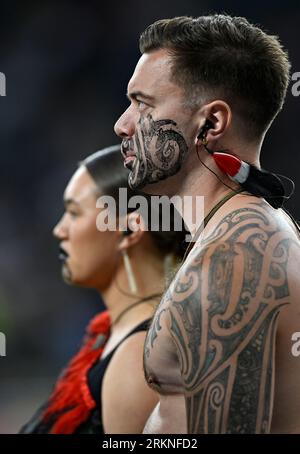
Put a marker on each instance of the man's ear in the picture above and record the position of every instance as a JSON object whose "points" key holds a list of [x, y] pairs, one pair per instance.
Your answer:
{"points": [[214, 120], [135, 231]]}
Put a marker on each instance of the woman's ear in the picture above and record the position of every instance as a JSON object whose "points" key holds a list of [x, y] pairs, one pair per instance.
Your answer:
{"points": [[135, 231]]}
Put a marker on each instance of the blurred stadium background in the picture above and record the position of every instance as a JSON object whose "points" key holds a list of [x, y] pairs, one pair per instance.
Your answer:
{"points": [[67, 65]]}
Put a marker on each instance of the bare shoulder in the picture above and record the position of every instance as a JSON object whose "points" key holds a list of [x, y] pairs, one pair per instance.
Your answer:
{"points": [[130, 350], [225, 302], [246, 213], [125, 370], [127, 401], [249, 251]]}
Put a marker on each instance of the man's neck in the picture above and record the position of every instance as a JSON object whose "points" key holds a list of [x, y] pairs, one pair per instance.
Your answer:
{"points": [[200, 177], [203, 188]]}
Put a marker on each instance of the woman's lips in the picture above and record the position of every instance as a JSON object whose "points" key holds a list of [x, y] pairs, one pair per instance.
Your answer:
{"points": [[63, 255]]}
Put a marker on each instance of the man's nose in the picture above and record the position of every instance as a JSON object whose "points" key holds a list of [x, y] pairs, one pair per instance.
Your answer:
{"points": [[125, 126]]}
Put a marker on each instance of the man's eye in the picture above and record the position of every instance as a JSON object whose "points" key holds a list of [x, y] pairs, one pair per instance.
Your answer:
{"points": [[141, 105]]}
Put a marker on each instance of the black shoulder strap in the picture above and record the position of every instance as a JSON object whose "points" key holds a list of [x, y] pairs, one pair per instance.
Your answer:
{"points": [[144, 326]]}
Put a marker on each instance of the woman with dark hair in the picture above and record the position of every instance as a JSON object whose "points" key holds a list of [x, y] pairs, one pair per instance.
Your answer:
{"points": [[103, 388]]}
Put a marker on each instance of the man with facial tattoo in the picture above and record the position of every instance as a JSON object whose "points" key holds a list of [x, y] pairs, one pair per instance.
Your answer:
{"points": [[202, 97]]}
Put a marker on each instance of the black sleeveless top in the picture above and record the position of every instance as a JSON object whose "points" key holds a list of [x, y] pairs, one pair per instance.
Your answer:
{"points": [[95, 379], [95, 375]]}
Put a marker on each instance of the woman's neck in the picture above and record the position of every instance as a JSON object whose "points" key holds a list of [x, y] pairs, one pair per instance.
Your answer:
{"points": [[148, 270]]}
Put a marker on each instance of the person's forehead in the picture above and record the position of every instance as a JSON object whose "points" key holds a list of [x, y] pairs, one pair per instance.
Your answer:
{"points": [[81, 187], [152, 73]]}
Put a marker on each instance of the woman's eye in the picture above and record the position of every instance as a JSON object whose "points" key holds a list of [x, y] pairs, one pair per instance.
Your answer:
{"points": [[73, 214]]}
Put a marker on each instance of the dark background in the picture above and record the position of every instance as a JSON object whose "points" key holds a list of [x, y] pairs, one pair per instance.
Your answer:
{"points": [[67, 64]]}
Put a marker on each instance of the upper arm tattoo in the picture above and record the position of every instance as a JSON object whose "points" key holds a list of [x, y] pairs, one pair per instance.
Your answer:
{"points": [[225, 304]]}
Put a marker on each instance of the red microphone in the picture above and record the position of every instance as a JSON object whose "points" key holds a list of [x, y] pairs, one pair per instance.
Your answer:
{"points": [[233, 166]]}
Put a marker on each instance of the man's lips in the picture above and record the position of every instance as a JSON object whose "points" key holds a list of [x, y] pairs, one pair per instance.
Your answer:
{"points": [[127, 153], [128, 156], [127, 148], [128, 162]]}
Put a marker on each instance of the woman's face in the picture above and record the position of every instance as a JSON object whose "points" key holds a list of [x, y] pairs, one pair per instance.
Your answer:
{"points": [[89, 256]]}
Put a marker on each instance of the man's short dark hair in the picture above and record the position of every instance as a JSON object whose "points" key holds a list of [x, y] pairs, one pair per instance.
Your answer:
{"points": [[225, 57]]}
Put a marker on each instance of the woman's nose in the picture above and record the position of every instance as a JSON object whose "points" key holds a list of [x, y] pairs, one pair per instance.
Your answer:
{"points": [[60, 231]]}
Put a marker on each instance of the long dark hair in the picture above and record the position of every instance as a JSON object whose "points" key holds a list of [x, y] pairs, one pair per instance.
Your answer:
{"points": [[108, 172]]}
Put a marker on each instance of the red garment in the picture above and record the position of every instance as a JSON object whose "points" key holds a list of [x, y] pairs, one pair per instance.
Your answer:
{"points": [[71, 402]]}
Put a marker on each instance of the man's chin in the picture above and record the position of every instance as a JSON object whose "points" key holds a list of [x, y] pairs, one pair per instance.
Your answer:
{"points": [[147, 188], [166, 186], [162, 187]]}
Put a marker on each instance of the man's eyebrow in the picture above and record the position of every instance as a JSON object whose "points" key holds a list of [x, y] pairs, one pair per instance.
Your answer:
{"points": [[139, 94]]}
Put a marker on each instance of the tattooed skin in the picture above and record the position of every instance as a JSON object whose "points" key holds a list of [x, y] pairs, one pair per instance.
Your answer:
{"points": [[160, 150], [222, 312]]}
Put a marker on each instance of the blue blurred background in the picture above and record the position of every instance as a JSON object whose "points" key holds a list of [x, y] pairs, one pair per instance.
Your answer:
{"points": [[67, 65]]}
